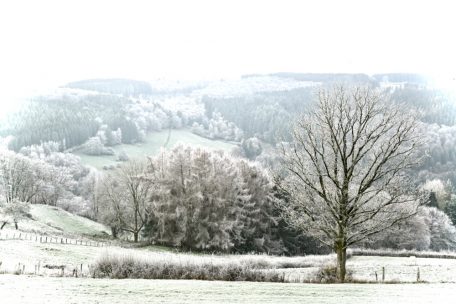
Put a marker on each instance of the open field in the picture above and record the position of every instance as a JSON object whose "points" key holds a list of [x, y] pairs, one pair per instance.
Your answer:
{"points": [[294, 269], [28, 290], [30, 253], [152, 145], [403, 269], [56, 223], [397, 269]]}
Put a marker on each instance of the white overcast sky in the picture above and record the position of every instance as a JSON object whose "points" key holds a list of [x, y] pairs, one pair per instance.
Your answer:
{"points": [[47, 43]]}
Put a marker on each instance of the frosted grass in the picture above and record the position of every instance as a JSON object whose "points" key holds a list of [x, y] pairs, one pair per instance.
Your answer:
{"points": [[34, 290]]}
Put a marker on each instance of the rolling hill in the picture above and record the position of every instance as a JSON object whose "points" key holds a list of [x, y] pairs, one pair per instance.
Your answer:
{"points": [[49, 220]]}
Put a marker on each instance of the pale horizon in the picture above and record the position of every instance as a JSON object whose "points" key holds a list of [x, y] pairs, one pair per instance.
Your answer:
{"points": [[48, 43]]}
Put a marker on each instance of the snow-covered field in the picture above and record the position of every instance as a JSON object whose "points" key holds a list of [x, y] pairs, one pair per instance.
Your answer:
{"points": [[47, 288], [295, 269], [30, 253], [28, 290], [403, 269], [397, 269]]}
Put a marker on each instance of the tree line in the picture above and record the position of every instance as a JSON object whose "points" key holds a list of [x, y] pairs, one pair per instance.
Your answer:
{"points": [[197, 200]]}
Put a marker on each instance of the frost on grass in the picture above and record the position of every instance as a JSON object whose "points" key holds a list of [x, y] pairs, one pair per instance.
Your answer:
{"points": [[31, 290], [201, 267]]}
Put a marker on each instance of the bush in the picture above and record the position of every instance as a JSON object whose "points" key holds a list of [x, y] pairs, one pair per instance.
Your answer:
{"points": [[123, 267], [328, 274], [94, 146], [122, 156]]}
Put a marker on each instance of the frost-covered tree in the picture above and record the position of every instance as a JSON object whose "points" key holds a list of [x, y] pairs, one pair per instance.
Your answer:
{"points": [[347, 168], [209, 201], [439, 191], [256, 202], [429, 229], [17, 186], [16, 177], [443, 233], [411, 234], [196, 192], [94, 146], [218, 128], [14, 212], [125, 197], [112, 138], [122, 156], [251, 147], [56, 178]]}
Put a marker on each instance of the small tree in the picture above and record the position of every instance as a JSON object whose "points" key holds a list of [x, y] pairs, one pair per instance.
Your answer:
{"points": [[14, 211], [346, 169]]}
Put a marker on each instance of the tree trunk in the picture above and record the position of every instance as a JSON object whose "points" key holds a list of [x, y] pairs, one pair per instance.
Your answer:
{"points": [[15, 225], [3, 225], [135, 235], [114, 232], [341, 261]]}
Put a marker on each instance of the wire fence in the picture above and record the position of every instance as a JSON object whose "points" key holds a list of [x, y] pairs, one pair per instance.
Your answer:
{"points": [[50, 239]]}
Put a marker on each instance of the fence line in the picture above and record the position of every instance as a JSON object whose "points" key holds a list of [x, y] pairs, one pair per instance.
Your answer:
{"points": [[50, 239]]}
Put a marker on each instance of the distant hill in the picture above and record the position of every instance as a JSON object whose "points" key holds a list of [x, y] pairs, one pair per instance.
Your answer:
{"points": [[126, 87], [409, 78], [326, 77]]}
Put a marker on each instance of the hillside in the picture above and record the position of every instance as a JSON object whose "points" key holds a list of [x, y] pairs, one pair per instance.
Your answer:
{"points": [[151, 146], [113, 86], [50, 220]]}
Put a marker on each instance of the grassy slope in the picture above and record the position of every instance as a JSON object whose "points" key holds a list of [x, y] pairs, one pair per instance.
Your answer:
{"points": [[55, 221], [67, 222], [155, 141]]}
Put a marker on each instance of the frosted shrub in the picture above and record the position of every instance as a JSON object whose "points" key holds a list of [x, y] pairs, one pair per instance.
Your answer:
{"points": [[123, 267], [328, 274]]}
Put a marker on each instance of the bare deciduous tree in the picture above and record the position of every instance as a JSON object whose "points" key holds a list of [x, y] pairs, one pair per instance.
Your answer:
{"points": [[16, 186], [347, 168], [125, 195]]}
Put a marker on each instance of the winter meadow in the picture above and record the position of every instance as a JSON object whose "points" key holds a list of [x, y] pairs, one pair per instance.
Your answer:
{"points": [[184, 157]]}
